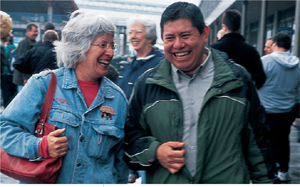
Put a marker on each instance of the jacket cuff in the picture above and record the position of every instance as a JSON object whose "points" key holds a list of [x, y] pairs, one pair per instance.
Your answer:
{"points": [[151, 154], [44, 147], [34, 154]]}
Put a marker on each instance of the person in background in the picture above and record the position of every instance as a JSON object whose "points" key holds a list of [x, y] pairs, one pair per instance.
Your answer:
{"points": [[8, 88], [237, 49], [48, 26], [142, 37], [220, 34], [268, 46], [40, 57], [191, 119], [25, 44], [5, 32], [88, 108], [112, 73], [278, 96]]}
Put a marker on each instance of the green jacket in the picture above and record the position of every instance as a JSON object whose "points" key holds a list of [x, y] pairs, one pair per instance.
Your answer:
{"points": [[24, 45], [227, 151]]}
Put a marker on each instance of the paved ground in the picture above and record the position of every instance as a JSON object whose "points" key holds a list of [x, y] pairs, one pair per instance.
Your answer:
{"points": [[294, 169], [294, 163]]}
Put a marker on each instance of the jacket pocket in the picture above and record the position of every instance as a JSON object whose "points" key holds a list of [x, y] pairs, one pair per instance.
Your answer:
{"points": [[104, 138], [68, 120]]}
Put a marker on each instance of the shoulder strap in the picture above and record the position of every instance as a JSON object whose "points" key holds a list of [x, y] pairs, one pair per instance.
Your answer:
{"points": [[47, 104], [10, 48]]}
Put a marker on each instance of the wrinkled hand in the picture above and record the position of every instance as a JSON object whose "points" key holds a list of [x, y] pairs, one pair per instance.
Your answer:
{"points": [[57, 145], [170, 158]]}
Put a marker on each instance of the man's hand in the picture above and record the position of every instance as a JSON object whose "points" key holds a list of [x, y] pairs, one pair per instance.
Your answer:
{"points": [[57, 145], [171, 155]]}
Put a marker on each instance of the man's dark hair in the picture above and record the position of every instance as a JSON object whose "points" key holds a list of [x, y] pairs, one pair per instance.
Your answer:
{"points": [[232, 20], [49, 26], [183, 10], [283, 40], [30, 25], [271, 38]]}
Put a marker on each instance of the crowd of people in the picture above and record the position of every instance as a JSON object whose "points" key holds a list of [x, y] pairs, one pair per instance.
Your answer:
{"points": [[218, 114]]}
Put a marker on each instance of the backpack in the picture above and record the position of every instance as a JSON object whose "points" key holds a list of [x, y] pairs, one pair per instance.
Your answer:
{"points": [[10, 59]]}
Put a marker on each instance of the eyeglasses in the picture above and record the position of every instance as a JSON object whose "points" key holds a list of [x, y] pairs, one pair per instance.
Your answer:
{"points": [[135, 31], [112, 46]]}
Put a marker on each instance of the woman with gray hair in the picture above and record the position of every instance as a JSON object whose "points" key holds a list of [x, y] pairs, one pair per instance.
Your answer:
{"points": [[88, 108], [142, 37]]}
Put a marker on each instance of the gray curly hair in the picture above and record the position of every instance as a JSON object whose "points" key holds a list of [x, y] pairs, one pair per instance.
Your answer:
{"points": [[78, 34], [149, 25]]}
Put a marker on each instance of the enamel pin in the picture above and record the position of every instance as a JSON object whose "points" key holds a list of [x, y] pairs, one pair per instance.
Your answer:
{"points": [[107, 112]]}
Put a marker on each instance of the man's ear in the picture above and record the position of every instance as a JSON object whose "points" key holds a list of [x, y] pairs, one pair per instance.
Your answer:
{"points": [[43, 40], [206, 31], [224, 27]]}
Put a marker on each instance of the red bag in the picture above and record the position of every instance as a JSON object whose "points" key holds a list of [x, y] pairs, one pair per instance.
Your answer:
{"points": [[38, 171]]}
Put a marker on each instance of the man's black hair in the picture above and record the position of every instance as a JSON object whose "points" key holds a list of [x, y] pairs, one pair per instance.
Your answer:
{"points": [[49, 26], [283, 40], [30, 25], [232, 20], [183, 10]]}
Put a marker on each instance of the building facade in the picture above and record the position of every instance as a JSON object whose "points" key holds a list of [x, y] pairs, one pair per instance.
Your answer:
{"points": [[260, 20]]}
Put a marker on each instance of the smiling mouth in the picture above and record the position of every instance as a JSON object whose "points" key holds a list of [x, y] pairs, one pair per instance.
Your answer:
{"points": [[182, 55], [105, 63]]}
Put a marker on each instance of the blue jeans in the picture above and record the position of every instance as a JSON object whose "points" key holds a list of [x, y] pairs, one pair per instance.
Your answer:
{"points": [[139, 173]]}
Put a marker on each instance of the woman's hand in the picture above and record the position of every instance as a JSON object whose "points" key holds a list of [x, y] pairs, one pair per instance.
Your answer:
{"points": [[57, 145]]}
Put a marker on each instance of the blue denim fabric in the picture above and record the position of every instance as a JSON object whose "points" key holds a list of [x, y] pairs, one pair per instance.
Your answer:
{"points": [[95, 153]]}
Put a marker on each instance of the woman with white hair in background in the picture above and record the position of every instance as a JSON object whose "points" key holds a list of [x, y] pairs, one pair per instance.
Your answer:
{"points": [[88, 108], [142, 37]]}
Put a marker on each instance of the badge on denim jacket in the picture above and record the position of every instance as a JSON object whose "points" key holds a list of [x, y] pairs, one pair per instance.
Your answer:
{"points": [[107, 112]]}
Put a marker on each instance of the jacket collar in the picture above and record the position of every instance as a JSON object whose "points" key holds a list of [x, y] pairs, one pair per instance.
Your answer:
{"points": [[48, 44], [232, 37], [29, 41], [223, 71]]}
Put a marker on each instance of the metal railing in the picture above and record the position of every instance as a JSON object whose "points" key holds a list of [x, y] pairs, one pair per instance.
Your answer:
{"points": [[38, 17]]}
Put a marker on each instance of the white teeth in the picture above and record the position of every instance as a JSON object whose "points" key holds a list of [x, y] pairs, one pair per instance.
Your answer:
{"points": [[135, 42], [104, 62], [180, 55]]}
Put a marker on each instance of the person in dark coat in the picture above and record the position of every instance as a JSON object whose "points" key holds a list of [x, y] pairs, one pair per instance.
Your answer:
{"points": [[8, 89], [237, 49], [48, 26], [142, 37], [25, 44], [39, 58]]}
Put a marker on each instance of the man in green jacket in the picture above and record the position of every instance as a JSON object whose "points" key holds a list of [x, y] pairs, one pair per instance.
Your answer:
{"points": [[25, 44], [193, 118]]}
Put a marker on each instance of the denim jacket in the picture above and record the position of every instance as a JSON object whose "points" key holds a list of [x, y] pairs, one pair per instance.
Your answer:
{"points": [[95, 152]]}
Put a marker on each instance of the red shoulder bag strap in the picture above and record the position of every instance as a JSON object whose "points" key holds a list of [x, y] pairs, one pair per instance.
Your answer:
{"points": [[47, 105]]}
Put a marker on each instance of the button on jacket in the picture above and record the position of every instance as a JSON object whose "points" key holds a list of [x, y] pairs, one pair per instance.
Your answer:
{"points": [[95, 153]]}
